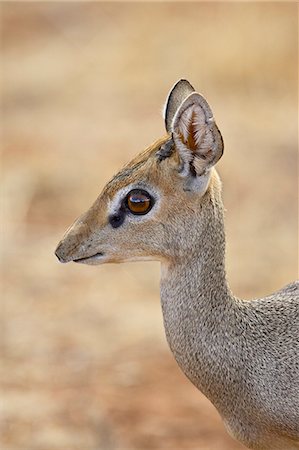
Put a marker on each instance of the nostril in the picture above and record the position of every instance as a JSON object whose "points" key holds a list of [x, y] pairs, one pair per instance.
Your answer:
{"points": [[58, 256], [58, 253]]}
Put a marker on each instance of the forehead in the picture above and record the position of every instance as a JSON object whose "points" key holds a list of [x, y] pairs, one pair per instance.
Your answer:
{"points": [[143, 166]]}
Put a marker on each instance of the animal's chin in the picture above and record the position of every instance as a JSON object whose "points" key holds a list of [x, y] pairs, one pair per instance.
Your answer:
{"points": [[93, 260]]}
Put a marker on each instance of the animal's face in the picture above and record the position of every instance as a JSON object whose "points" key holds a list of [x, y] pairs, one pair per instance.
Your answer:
{"points": [[147, 210]]}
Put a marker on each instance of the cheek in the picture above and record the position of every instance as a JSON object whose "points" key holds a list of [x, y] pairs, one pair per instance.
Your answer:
{"points": [[139, 238]]}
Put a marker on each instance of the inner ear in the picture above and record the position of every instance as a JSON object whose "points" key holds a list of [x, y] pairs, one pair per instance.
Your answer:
{"points": [[196, 136]]}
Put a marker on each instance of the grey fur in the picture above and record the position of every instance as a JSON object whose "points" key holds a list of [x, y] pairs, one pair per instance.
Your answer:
{"points": [[243, 355]]}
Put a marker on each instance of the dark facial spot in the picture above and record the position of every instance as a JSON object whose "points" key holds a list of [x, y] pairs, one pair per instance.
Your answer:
{"points": [[116, 220]]}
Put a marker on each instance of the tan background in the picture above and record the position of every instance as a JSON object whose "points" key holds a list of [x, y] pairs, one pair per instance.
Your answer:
{"points": [[86, 364]]}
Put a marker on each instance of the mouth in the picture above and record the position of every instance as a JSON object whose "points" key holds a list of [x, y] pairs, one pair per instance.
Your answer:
{"points": [[93, 259]]}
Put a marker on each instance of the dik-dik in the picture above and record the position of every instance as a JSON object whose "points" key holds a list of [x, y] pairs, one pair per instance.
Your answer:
{"points": [[166, 205]]}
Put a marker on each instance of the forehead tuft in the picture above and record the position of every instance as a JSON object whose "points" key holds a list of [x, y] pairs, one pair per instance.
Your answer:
{"points": [[139, 166]]}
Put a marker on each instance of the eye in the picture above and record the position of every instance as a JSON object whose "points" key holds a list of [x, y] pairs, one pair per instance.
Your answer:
{"points": [[139, 201]]}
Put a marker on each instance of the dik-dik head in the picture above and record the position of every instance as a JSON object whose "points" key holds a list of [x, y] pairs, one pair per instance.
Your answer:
{"points": [[150, 208]]}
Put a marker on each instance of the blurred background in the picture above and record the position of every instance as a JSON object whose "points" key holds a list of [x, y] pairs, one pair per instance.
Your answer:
{"points": [[85, 360]]}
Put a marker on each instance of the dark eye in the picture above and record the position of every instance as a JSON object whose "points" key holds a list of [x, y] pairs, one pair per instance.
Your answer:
{"points": [[139, 201]]}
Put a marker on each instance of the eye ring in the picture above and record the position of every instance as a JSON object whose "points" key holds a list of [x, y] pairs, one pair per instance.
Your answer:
{"points": [[139, 202]]}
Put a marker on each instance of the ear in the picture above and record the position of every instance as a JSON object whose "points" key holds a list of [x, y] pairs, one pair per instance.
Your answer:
{"points": [[176, 96], [196, 136]]}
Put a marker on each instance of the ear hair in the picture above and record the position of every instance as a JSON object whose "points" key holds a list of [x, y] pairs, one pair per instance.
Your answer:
{"points": [[176, 96], [196, 136]]}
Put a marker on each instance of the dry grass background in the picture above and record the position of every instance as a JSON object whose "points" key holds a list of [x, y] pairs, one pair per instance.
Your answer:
{"points": [[85, 361]]}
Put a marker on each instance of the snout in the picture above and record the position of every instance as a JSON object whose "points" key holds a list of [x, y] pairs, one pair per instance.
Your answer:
{"points": [[62, 252], [77, 245], [64, 257]]}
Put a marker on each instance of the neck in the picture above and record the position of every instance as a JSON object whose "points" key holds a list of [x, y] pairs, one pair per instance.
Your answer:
{"points": [[198, 306]]}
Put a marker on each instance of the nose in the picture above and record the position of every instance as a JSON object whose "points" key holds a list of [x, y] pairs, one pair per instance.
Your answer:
{"points": [[70, 247], [61, 254]]}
